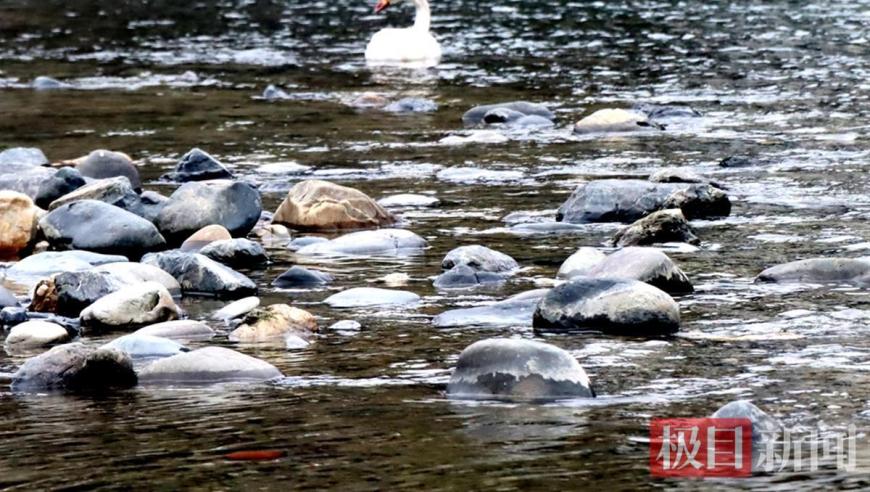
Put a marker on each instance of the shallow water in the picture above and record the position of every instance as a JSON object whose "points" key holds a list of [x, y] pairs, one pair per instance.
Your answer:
{"points": [[785, 81]]}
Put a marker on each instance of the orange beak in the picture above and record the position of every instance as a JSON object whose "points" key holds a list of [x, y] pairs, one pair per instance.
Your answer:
{"points": [[381, 6]]}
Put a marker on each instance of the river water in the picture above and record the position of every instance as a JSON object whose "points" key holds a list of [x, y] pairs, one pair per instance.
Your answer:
{"points": [[786, 82]]}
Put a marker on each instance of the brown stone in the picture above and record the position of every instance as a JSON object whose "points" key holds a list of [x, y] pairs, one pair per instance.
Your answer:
{"points": [[205, 236], [274, 323], [18, 223], [316, 204]]}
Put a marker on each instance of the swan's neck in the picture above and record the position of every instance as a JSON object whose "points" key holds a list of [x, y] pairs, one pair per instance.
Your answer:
{"points": [[424, 16]]}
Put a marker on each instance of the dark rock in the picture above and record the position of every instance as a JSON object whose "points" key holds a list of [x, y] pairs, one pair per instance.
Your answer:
{"points": [[75, 367], [412, 105], [663, 226], [208, 365], [12, 316], [646, 265], [479, 258], [655, 111], [193, 206], [617, 200], [501, 116], [236, 253], [115, 191], [102, 164], [852, 271], [198, 165], [299, 277], [463, 277], [532, 121], [198, 274], [96, 226], [517, 369], [301, 242], [742, 161], [152, 203], [64, 181], [612, 306], [475, 116], [513, 311]]}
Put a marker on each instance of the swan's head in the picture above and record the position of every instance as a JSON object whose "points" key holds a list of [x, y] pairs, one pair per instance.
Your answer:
{"points": [[382, 5]]}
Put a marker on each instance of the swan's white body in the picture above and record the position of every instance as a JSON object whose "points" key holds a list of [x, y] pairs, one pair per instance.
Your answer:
{"points": [[414, 45]]}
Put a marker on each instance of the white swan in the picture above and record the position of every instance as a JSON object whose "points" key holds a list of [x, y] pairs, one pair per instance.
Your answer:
{"points": [[411, 45]]}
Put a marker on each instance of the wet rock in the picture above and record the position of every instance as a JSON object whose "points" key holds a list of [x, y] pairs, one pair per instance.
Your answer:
{"points": [[275, 323], [31, 269], [408, 200], [765, 429], [479, 258], [22, 156], [612, 306], [660, 111], [853, 271], [102, 164], [371, 296], [298, 277], [614, 121], [236, 253], [664, 226], [627, 200], [75, 367], [68, 293], [412, 105], [12, 316], [382, 242], [236, 309], [301, 242], [198, 165], [580, 263], [27, 180], [513, 311], [208, 365], [475, 116], [132, 306], [742, 161], [96, 226], [677, 175], [115, 191], [198, 274], [35, 334], [45, 83], [64, 181], [195, 205], [137, 345], [273, 93], [18, 223], [178, 330], [646, 265], [272, 233], [204, 237], [463, 277], [316, 204], [152, 203], [7, 299], [518, 369]]}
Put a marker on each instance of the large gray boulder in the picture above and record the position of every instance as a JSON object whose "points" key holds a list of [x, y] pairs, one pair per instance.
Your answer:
{"points": [[627, 200], [510, 368], [852, 271], [199, 275], [102, 164], [132, 306], [96, 226], [382, 242], [208, 365], [514, 311], [194, 205], [612, 306], [115, 191], [648, 265], [75, 367]]}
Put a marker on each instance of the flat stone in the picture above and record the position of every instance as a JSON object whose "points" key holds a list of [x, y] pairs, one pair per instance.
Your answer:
{"points": [[851, 271], [298, 277], [137, 345], [208, 365], [75, 367], [178, 330], [31, 269], [408, 200], [371, 296], [382, 242], [513, 311]]}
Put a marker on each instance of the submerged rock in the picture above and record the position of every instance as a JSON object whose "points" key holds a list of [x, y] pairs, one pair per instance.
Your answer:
{"points": [[236, 309], [517, 369], [371, 296], [132, 306], [19, 218], [236, 252], [382, 242], [75, 367], [580, 263], [742, 161], [463, 277], [275, 323], [614, 121], [766, 430], [854, 271], [115, 191], [298, 277], [301, 242], [100, 227], [412, 105], [198, 274], [208, 365], [35, 334], [476, 116], [677, 175], [233, 205], [612, 306], [178, 330], [46, 83], [204, 237], [513, 311], [198, 165], [656, 111], [648, 265], [627, 200], [64, 181], [137, 345], [408, 200], [316, 204], [274, 93], [479, 258], [102, 164], [664, 226]]}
